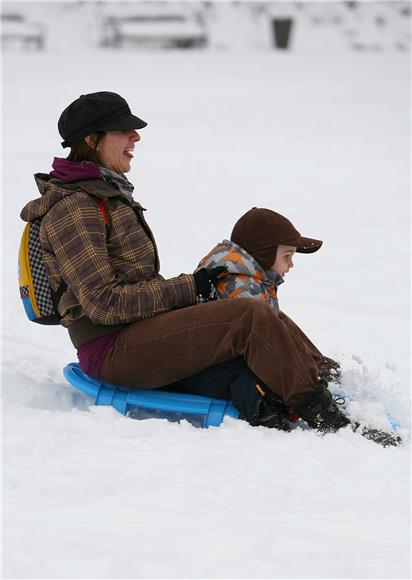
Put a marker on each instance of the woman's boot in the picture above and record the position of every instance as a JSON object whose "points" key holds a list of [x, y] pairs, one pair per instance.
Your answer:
{"points": [[320, 411]]}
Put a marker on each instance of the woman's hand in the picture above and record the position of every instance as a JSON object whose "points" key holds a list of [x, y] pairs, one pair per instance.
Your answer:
{"points": [[205, 280]]}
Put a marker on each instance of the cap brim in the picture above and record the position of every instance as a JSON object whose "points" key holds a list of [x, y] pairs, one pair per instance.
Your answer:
{"points": [[304, 245], [124, 124]]}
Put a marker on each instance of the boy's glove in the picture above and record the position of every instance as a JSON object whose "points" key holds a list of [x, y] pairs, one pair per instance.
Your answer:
{"points": [[204, 282]]}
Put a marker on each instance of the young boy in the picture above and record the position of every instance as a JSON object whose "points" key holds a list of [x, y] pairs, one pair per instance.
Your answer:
{"points": [[256, 260], [253, 263]]}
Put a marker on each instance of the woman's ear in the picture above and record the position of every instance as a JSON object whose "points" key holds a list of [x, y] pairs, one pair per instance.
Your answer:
{"points": [[91, 141]]}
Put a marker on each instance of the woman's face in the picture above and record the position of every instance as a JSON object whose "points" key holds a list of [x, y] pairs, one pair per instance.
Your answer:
{"points": [[115, 149]]}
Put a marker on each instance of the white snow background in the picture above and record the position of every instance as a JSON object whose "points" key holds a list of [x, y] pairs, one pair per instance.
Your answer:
{"points": [[320, 134]]}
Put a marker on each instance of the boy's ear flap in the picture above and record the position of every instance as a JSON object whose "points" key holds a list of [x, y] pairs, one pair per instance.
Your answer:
{"points": [[266, 257]]}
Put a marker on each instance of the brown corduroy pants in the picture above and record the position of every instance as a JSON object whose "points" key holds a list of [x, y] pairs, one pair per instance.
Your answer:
{"points": [[166, 348]]}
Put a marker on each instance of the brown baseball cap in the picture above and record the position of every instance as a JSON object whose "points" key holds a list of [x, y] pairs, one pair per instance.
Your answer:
{"points": [[260, 231]]}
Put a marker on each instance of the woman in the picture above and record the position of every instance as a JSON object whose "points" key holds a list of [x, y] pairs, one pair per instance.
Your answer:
{"points": [[132, 327]]}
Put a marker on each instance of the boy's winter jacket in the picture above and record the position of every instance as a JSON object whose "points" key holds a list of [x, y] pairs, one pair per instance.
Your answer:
{"points": [[111, 269], [244, 277]]}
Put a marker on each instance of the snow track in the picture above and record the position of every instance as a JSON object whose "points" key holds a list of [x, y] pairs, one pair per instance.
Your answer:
{"points": [[104, 496]]}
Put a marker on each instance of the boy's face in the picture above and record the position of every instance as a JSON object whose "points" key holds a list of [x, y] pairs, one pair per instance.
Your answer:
{"points": [[283, 261]]}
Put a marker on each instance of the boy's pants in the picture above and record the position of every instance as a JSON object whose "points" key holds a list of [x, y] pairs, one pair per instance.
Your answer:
{"points": [[169, 347]]}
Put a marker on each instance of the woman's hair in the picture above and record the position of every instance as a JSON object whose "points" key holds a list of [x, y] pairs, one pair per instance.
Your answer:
{"points": [[83, 152]]}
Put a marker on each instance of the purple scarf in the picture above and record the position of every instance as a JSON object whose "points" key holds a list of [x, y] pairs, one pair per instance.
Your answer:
{"points": [[69, 171]]}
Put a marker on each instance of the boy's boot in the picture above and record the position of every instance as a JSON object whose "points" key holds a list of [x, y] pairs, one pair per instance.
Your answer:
{"points": [[257, 404], [272, 412], [320, 411]]}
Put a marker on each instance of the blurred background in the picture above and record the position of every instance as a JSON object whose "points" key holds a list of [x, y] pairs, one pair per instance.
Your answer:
{"points": [[253, 25]]}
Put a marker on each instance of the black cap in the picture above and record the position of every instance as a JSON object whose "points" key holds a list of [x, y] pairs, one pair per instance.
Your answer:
{"points": [[103, 111]]}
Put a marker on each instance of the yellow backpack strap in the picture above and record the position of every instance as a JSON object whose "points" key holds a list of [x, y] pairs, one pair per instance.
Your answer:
{"points": [[27, 293]]}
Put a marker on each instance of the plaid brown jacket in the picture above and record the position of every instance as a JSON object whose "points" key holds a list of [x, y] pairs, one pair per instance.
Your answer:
{"points": [[111, 270]]}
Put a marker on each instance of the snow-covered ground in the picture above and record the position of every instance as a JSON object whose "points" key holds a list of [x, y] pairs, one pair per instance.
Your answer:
{"points": [[320, 134]]}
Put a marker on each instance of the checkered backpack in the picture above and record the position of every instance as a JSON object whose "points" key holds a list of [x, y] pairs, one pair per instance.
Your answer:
{"points": [[40, 301]]}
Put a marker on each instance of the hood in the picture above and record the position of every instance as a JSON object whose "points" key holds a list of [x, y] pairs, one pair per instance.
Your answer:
{"points": [[66, 177], [238, 262], [51, 191]]}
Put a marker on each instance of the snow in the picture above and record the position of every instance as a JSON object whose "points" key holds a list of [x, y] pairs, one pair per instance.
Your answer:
{"points": [[320, 134]]}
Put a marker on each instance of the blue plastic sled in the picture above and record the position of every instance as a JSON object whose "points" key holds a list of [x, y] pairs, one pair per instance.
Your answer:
{"points": [[145, 403]]}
